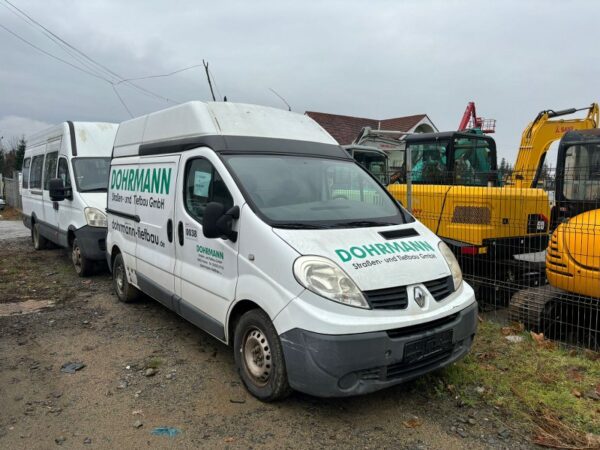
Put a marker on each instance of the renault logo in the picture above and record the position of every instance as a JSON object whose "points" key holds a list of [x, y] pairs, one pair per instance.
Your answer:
{"points": [[419, 297]]}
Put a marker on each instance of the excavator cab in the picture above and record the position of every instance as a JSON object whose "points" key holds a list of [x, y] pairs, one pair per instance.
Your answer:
{"points": [[578, 175], [452, 158]]}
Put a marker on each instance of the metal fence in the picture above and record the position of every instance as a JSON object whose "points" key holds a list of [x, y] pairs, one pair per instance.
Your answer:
{"points": [[531, 254], [12, 191]]}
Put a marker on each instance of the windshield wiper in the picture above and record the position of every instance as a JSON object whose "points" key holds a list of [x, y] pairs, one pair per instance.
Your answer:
{"points": [[93, 190], [364, 223], [299, 226]]}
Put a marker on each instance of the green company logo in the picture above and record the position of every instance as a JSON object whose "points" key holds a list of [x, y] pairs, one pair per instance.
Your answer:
{"points": [[153, 180], [209, 251], [389, 248]]}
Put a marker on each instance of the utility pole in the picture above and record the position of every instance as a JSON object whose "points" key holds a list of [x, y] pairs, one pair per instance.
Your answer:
{"points": [[208, 78]]}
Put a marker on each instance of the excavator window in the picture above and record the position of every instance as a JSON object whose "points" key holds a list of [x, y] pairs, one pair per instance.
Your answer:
{"points": [[472, 162], [582, 172]]}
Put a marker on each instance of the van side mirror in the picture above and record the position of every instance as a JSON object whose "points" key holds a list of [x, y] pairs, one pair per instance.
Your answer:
{"points": [[218, 223], [57, 189]]}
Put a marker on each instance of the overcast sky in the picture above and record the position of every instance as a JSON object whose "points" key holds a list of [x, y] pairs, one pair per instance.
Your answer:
{"points": [[376, 59]]}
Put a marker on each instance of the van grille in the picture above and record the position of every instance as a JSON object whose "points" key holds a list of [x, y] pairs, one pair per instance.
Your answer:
{"points": [[389, 298], [422, 327], [440, 288], [397, 297]]}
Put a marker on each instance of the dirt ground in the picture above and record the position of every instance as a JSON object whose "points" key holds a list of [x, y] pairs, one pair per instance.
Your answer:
{"points": [[111, 403]]}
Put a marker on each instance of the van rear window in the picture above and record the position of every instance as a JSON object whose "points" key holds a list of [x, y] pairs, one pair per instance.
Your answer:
{"points": [[26, 165], [35, 178]]}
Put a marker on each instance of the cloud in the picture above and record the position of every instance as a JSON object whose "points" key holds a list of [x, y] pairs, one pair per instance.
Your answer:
{"points": [[15, 126], [390, 59]]}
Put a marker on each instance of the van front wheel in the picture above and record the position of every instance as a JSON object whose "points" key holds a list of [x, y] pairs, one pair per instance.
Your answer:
{"points": [[259, 357], [83, 266], [39, 241], [125, 291]]}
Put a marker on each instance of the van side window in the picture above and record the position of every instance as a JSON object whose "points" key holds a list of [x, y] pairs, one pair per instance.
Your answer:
{"points": [[50, 168], [203, 185], [63, 172], [26, 164], [35, 178]]}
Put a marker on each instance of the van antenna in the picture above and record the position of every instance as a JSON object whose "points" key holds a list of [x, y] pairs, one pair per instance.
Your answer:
{"points": [[282, 99], [205, 64]]}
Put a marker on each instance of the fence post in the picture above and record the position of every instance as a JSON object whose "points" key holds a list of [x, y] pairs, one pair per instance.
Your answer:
{"points": [[409, 178]]}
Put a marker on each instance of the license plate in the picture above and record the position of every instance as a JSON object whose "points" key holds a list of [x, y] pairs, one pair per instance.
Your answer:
{"points": [[427, 347]]}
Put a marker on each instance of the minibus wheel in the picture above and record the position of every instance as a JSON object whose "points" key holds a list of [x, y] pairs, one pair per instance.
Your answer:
{"points": [[125, 291], [259, 357], [83, 266], [39, 241]]}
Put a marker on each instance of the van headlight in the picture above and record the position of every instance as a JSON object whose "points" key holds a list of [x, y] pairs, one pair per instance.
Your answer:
{"points": [[95, 217], [325, 278], [452, 264]]}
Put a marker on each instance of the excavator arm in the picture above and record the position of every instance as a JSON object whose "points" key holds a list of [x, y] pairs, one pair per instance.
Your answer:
{"points": [[539, 135]]}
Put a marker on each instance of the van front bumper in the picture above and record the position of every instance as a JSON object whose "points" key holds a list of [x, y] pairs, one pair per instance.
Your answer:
{"points": [[344, 365], [92, 242]]}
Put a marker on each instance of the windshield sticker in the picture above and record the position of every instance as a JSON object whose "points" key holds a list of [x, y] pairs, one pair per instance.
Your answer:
{"points": [[201, 183], [390, 252]]}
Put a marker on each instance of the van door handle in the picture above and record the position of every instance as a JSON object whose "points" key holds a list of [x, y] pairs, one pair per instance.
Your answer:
{"points": [[180, 232], [170, 230]]}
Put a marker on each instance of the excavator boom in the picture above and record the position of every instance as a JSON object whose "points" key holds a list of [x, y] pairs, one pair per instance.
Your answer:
{"points": [[539, 135]]}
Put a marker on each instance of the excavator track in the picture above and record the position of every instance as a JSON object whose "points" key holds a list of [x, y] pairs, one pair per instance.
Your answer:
{"points": [[528, 305]]}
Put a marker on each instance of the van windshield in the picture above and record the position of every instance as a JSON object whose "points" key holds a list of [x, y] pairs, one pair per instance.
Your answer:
{"points": [[305, 192], [91, 174]]}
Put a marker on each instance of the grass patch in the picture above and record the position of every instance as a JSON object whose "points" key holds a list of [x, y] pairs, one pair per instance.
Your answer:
{"points": [[154, 363], [530, 380]]}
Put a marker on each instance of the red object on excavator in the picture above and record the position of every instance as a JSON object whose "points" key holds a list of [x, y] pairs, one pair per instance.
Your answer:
{"points": [[471, 121]]}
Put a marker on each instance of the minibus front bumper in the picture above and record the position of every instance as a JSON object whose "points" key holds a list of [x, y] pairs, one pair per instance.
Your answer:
{"points": [[92, 242], [344, 365]]}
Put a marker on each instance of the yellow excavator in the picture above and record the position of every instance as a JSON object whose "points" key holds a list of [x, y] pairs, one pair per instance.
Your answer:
{"points": [[568, 308], [457, 194]]}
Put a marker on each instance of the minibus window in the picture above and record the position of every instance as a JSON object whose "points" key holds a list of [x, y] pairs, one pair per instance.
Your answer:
{"points": [[35, 179], [50, 168], [26, 164], [63, 172], [203, 185], [298, 191]]}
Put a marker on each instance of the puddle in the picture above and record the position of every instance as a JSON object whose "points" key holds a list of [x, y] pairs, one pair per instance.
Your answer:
{"points": [[26, 307]]}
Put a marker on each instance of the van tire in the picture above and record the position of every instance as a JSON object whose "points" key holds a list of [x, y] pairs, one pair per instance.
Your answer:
{"points": [[257, 349], [83, 266], [39, 241], [125, 291]]}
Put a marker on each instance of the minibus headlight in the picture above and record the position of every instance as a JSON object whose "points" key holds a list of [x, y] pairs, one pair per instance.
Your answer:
{"points": [[452, 264], [95, 217], [327, 279]]}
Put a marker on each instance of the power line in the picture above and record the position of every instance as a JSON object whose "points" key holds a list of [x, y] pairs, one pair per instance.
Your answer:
{"points": [[109, 71], [53, 56], [162, 75], [122, 102]]}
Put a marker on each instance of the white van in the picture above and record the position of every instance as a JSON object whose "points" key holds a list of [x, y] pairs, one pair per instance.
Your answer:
{"points": [[65, 179], [256, 226]]}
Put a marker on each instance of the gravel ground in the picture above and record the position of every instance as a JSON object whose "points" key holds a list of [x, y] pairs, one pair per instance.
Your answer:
{"points": [[12, 229], [145, 367]]}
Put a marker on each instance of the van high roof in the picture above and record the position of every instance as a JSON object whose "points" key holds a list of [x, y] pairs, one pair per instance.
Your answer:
{"points": [[84, 138], [224, 126]]}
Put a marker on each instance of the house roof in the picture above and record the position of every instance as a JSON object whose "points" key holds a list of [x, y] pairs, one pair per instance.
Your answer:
{"points": [[346, 128]]}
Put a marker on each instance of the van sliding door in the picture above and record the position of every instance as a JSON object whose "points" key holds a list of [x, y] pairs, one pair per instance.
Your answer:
{"points": [[151, 184]]}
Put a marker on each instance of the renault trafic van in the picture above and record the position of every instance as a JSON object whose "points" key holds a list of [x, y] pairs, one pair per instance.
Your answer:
{"points": [[65, 179], [256, 226]]}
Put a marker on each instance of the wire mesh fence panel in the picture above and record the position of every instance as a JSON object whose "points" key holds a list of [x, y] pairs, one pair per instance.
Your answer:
{"points": [[531, 252]]}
